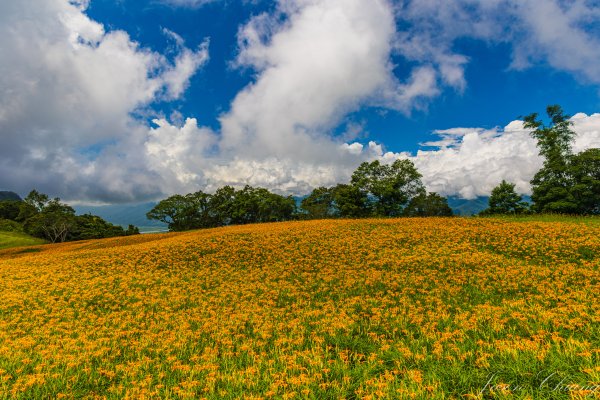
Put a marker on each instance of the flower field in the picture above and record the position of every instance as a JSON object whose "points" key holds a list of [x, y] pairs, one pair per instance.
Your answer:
{"points": [[346, 309]]}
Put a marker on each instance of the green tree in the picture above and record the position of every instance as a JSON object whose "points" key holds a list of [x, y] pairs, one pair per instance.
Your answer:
{"points": [[428, 205], [9, 209], [349, 201], [222, 203], [505, 200], [31, 205], [54, 221], [90, 226], [388, 187], [182, 213], [551, 185], [319, 204], [254, 205], [585, 172]]}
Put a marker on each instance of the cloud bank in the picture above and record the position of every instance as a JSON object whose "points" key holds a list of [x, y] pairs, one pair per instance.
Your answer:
{"points": [[72, 95]]}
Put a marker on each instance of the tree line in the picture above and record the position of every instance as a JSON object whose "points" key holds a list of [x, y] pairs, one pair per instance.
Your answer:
{"points": [[55, 221], [567, 183], [375, 190]]}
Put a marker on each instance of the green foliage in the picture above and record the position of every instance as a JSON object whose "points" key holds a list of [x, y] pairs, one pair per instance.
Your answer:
{"points": [[9, 209], [55, 221], [378, 190], [319, 204], [227, 206], [428, 205], [388, 187], [585, 171], [183, 213], [7, 225], [253, 205], [89, 226], [505, 200], [552, 184], [36, 200], [350, 201], [340, 201]]}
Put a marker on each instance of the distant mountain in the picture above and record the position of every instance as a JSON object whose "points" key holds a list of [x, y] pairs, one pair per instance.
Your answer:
{"points": [[125, 214], [467, 206], [6, 195]]}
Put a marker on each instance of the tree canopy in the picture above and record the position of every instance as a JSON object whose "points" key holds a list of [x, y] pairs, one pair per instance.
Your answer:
{"points": [[55, 221], [388, 187], [567, 182], [505, 200]]}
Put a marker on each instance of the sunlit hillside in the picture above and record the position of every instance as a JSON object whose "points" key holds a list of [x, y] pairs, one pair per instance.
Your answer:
{"points": [[406, 308]]}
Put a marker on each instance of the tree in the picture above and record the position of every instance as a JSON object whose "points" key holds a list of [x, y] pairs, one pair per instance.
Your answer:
{"points": [[551, 185], [221, 205], [505, 200], [585, 171], [37, 200], [319, 204], [388, 187], [226, 206], [54, 220], [31, 205], [181, 213], [254, 205], [428, 205], [349, 201], [9, 209], [90, 226]]}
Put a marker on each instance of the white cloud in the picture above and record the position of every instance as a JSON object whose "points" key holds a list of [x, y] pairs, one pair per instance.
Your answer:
{"points": [[562, 34], [68, 88], [470, 162], [327, 58]]}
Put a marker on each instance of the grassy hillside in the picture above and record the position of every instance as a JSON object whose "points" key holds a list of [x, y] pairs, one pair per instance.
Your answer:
{"points": [[15, 239], [409, 308]]}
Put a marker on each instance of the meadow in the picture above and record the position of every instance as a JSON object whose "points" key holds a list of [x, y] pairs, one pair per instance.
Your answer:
{"points": [[17, 239], [429, 308]]}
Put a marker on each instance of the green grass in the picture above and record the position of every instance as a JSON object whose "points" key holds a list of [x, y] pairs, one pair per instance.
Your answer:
{"points": [[17, 239]]}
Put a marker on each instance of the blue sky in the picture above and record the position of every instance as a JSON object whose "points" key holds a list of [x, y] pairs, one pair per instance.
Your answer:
{"points": [[495, 94], [125, 101]]}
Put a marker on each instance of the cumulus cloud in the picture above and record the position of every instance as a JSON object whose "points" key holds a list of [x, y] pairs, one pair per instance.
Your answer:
{"points": [[325, 59], [68, 89], [315, 61], [470, 162]]}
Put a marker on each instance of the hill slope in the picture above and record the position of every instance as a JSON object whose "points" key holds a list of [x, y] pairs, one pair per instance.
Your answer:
{"points": [[318, 309], [17, 239]]}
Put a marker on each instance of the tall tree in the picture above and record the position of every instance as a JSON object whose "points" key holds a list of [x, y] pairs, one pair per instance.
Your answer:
{"points": [[551, 185], [388, 187]]}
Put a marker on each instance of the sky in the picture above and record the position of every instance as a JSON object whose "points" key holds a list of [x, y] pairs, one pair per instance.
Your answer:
{"points": [[120, 101]]}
